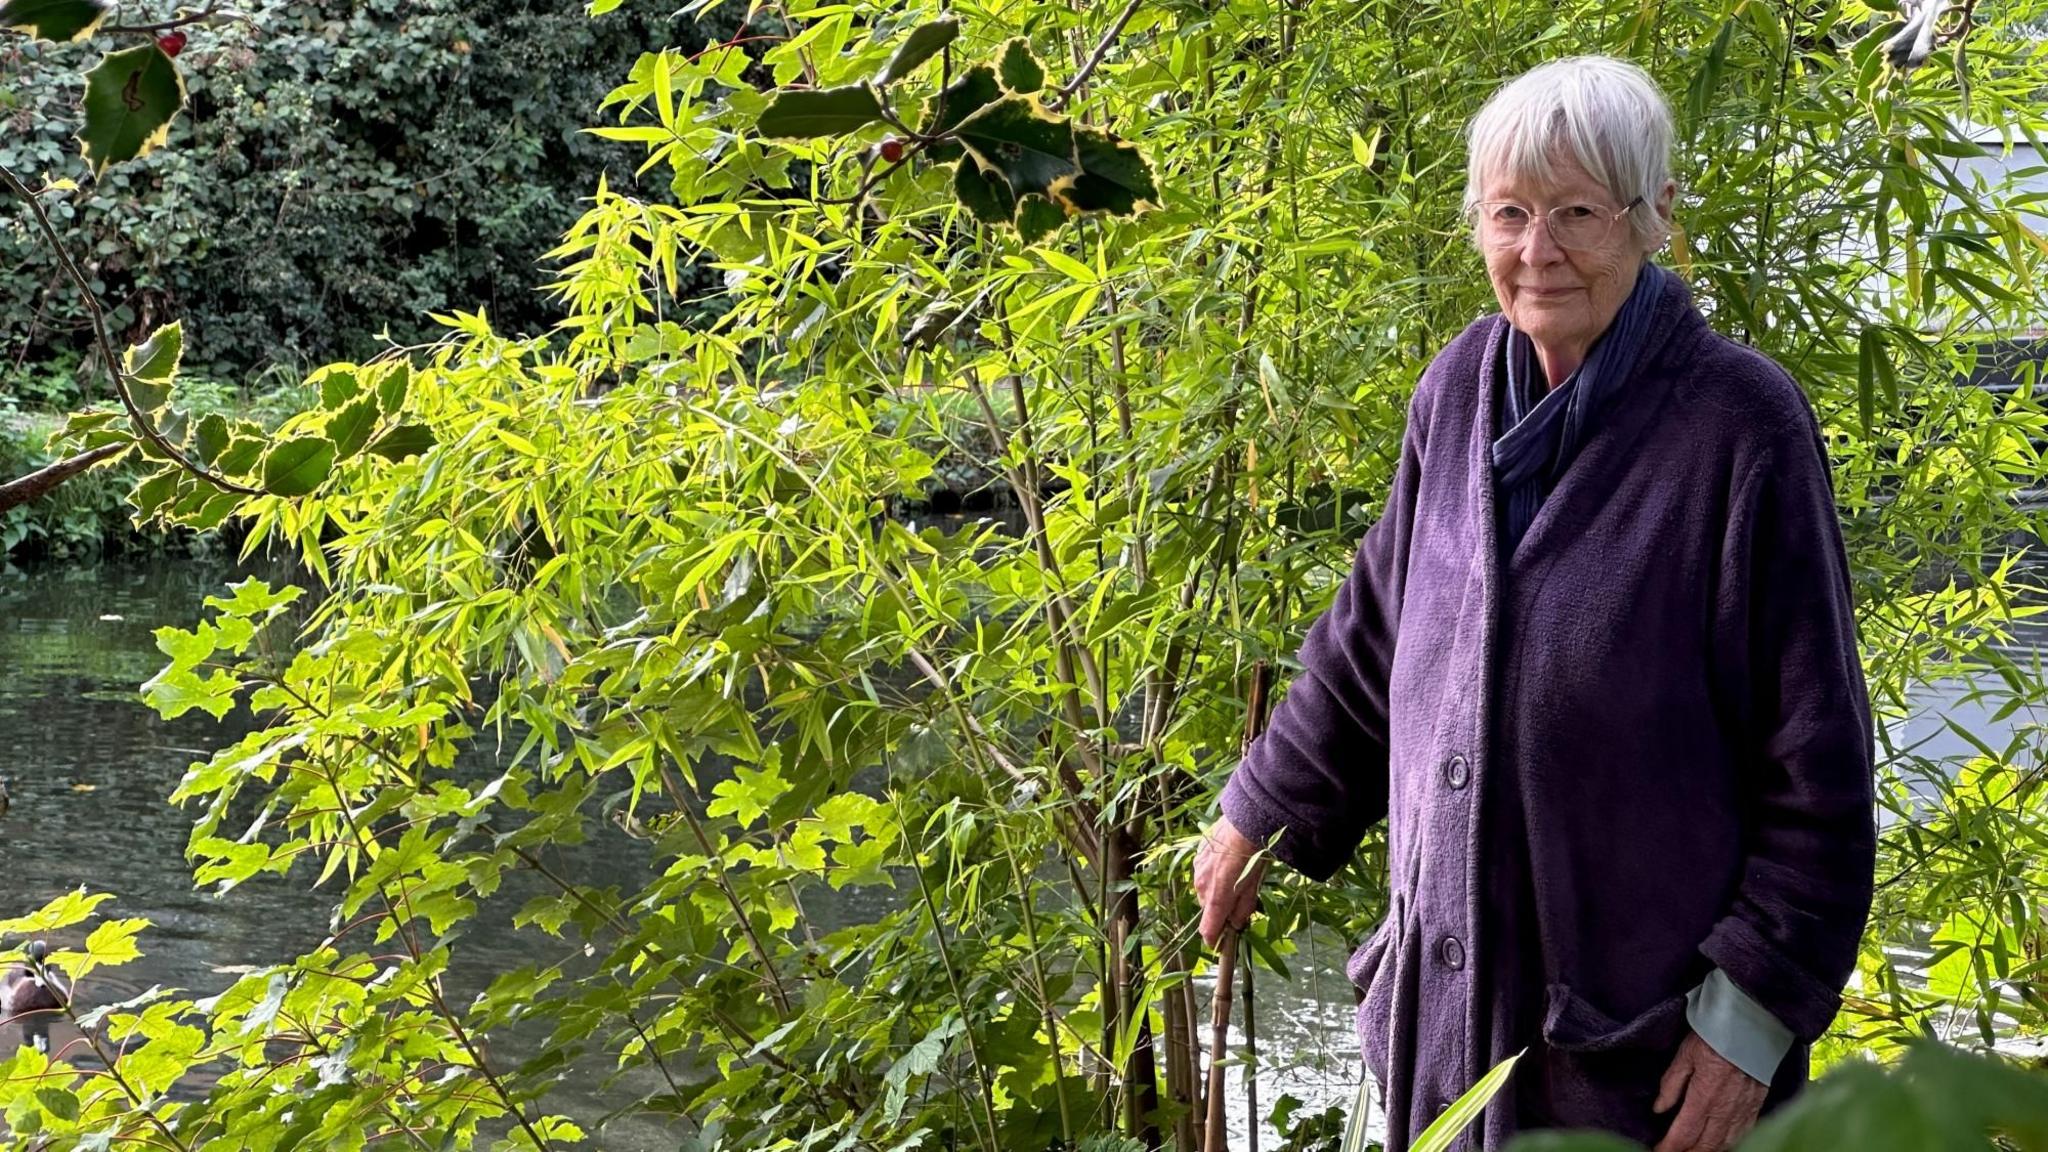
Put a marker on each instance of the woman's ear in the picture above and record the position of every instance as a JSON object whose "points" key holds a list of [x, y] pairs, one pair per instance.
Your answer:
{"points": [[1665, 203]]}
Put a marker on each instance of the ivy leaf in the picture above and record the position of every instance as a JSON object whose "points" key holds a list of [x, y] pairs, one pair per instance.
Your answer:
{"points": [[351, 426], [1115, 176], [920, 46], [1020, 70], [1016, 138], [403, 441], [60, 20], [974, 90], [298, 465], [152, 364], [1037, 218], [805, 113], [210, 439], [130, 99], [987, 197]]}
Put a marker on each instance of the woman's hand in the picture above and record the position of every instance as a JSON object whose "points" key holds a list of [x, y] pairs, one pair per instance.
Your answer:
{"points": [[1721, 1100], [1227, 889]]}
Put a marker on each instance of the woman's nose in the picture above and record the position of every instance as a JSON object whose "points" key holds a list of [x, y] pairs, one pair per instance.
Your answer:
{"points": [[1538, 248]]}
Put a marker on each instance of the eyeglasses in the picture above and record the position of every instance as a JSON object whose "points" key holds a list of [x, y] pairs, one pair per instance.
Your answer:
{"points": [[1503, 223]]}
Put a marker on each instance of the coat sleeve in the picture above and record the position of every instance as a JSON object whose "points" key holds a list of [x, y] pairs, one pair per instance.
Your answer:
{"points": [[1786, 642], [1317, 777]]}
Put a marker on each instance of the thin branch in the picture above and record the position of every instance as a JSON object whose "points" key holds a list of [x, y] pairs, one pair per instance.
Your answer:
{"points": [[39, 482], [1066, 92], [107, 351]]}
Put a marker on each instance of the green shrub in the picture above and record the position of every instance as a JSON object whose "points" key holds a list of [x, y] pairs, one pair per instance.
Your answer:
{"points": [[341, 169]]}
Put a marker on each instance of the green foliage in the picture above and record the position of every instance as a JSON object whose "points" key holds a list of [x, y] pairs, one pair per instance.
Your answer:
{"points": [[341, 170], [646, 574]]}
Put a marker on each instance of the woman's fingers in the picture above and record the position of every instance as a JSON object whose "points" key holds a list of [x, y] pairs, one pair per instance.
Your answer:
{"points": [[1227, 889]]}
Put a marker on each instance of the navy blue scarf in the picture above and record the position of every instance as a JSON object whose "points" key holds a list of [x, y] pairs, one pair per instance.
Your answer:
{"points": [[1543, 432]]}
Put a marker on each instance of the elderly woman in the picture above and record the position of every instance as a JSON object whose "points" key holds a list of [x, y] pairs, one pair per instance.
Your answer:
{"points": [[1596, 664]]}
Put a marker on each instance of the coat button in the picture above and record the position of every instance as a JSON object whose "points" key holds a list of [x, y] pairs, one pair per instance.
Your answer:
{"points": [[1452, 952], [1457, 773]]}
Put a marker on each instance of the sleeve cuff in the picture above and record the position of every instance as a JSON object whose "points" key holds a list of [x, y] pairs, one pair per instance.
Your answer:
{"points": [[1741, 1030]]}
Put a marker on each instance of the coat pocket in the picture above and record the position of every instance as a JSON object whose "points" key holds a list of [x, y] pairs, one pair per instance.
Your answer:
{"points": [[1572, 1024], [1599, 1072], [1372, 975]]}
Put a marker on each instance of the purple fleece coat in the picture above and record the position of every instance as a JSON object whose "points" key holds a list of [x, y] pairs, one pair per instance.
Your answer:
{"points": [[1637, 749]]}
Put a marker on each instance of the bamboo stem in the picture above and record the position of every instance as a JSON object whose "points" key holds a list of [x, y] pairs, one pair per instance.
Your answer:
{"points": [[1219, 1038]]}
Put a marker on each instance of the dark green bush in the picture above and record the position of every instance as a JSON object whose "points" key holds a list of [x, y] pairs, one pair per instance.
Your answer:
{"points": [[341, 169]]}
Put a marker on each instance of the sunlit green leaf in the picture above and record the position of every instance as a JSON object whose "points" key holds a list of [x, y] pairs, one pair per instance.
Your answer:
{"points": [[805, 113], [296, 466]]}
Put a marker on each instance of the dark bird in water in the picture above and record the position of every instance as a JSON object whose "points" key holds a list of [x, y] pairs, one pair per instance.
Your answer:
{"points": [[5, 799], [33, 987]]}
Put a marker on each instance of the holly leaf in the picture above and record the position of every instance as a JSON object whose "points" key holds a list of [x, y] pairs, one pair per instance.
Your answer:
{"points": [[987, 197], [391, 389], [1037, 218], [210, 439], [241, 456], [338, 387], [1020, 70], [972, 92], [350, 427], [1017, 139], [920, 46], [298, 465], [130, 99], [806, 112], [404, 440], [1115, 177], [60, 20], [154, 491], [151, 365]]}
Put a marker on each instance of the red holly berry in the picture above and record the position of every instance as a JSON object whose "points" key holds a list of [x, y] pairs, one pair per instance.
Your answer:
{"points": [[892, 149], [172, 42]]}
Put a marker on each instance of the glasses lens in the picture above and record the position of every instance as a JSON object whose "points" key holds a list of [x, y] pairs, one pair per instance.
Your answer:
{"points": [[1577, 225]]}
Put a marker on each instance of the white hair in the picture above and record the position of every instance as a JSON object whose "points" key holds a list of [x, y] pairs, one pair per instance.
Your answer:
{"points": [[1604, 113]]}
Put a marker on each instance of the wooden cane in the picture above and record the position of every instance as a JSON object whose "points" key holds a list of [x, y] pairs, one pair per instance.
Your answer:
{"points": [[1213, 1137]]}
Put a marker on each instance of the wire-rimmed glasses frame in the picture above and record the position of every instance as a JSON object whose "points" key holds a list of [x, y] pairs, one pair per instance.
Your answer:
{"points": [[1574, 226]]}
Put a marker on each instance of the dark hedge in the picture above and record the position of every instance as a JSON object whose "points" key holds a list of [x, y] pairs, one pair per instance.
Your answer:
{"points": [[341, 169]]}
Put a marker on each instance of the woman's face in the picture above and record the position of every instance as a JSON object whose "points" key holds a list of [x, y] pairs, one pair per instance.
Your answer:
{"points": [[1563, 297]]}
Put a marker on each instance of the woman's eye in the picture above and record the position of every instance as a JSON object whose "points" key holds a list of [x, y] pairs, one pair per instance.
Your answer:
{"points": [[1509, 214], [1580, 212]]}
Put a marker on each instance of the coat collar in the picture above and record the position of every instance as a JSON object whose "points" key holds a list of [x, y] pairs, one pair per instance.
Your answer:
{"points": [[1674, 327]]}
